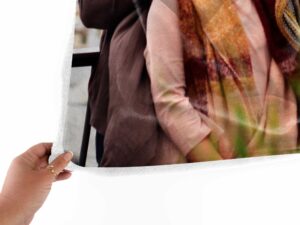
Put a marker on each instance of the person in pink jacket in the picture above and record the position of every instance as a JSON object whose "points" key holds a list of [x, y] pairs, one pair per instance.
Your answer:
{"points": [[224, 77]]}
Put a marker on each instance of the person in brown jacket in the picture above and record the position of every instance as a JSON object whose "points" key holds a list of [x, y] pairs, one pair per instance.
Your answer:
{"points": [[120, 100]]}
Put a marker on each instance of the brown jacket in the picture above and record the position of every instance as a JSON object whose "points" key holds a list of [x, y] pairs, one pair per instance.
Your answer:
{"points": [[119, 91]]}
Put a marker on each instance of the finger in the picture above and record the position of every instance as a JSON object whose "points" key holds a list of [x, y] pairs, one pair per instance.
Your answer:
{"points": [[59, 164], [65, 170], [63, 176], [225, 148], [40, 150], [43, 162]]}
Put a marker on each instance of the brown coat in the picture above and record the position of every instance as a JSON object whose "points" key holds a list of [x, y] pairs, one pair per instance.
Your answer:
{"points": [[119, 91]]}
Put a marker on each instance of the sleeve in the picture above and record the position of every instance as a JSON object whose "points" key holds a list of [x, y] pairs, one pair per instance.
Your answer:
{"points": [[179, 120], [103, 14]]}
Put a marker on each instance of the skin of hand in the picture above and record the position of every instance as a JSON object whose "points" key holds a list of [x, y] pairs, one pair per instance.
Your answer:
{"points": [[204, 151], [226, 148], [28, 183]]}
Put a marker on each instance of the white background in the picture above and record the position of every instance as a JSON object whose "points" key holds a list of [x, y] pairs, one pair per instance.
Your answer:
{"points": [[34, 38]]}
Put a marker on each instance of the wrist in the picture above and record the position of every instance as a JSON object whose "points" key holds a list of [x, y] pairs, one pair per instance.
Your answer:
{"points": [[11, 213], [204, 151]]}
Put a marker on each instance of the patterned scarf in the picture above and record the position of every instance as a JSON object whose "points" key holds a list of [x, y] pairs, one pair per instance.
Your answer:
{"points": [[281, 19], [217, 63], [212, 52], [288, 18]]}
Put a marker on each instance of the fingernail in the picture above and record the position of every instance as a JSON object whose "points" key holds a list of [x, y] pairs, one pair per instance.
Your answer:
{"points": [[68, 155]]}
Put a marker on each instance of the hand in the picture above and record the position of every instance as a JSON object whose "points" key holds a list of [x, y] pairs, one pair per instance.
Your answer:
{"points": [[204, 151], [29, 180]]}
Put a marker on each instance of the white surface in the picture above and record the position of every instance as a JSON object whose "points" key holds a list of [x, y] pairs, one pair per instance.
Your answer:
{"points": [[35, 34]]}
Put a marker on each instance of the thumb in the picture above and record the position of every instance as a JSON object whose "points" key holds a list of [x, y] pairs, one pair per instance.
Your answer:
{"points": [[60, 162], [226, 148]]}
